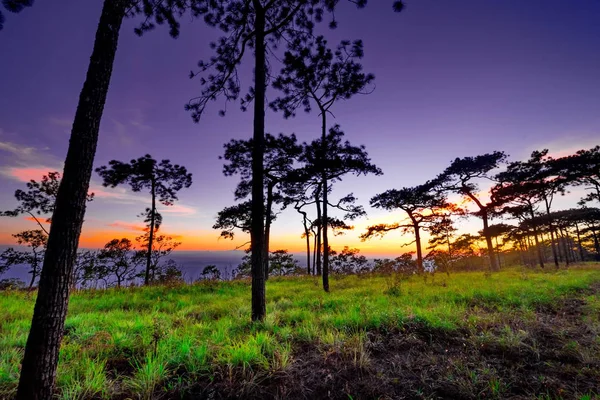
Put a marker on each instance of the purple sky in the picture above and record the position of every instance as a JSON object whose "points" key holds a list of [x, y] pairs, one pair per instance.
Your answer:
{"points": [[453, 79]]}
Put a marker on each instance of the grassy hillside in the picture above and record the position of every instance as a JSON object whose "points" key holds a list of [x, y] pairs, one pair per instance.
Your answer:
{"points": [[515, 333]]}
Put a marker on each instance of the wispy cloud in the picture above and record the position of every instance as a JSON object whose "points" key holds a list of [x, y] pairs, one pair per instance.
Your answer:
{"points": [[127, 226], [179, 209], [117, 195], [16, 149], [64, 122], [25, 174], [569, 144]]}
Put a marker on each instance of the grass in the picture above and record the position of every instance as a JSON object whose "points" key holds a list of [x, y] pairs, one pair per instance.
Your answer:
{"points": [[147, 341]]}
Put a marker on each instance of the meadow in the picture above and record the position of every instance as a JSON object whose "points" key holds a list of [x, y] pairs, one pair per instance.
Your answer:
{"points": [[518, 333]]}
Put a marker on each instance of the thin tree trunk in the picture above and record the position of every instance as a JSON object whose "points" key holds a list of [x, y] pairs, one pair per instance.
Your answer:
{"points": [[268, 223], [418, 242], [307, 235], [488, 240], [320, 219], [565, 247], [257, 233], [535, 238], [579, 245], [552, 238], [151, 233], [498, 252], [596, 241], [325, 187], [38, 370]]}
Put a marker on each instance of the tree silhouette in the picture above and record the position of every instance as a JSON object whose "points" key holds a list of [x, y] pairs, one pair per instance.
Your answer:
{"points": [[420, 203], [38, 369], [162, 246], [461, 177], [537, 179], [163, 180], [313, 73], [258, 25], [339, 159], [582, 168], [117, 259], [36, 240], [13, 6], [281, 152], [39, 199]]}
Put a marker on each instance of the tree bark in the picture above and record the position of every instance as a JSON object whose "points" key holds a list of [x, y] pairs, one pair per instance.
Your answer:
{"points": [[38, 371], [257, 233], [325, 187], [151, 233]]}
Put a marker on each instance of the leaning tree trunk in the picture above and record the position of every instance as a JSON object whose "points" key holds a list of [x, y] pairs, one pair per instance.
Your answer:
{"points": [[488, 241], [151, 233], [325, 222], [416, 227], [257, 232], [40, 360]]}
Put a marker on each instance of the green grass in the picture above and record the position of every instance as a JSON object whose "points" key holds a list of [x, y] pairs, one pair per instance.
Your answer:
{"points": [[140, 340]]}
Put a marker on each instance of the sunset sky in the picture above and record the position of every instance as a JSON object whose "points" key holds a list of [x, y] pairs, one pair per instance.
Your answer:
{"points": [[453, 79]]}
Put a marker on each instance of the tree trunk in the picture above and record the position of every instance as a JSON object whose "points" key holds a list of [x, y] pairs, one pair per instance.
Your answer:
{"points": [[307, 234], [257, 233], [38, 370], [488, 241], [320, 219], [498, 252], [268, 221], [420, 267], [535, 237], [565, 247], [151, 233], [579, 245], [552, 235], [33, 275], [325, 187]]}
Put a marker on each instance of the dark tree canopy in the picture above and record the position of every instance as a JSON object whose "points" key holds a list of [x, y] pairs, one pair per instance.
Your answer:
{"points": [[312, 72], [163, 180], [146, 172], [341, 158], [462, 177]]}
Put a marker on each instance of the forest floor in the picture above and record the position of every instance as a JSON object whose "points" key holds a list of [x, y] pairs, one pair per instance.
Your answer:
{"points": [[517, 334]]}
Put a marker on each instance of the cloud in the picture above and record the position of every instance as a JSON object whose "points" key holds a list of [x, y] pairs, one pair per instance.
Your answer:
{"points": [[16, 149], [64, 122], [178, 209], [117, 195], [25, 174], [127, 226], [569, 144]]}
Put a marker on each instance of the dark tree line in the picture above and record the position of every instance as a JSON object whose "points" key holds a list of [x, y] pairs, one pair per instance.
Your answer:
{"points": [[522, 192]]}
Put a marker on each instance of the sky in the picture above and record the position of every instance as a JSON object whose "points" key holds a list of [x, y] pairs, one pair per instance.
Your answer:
{"points": [[453, 79]]}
